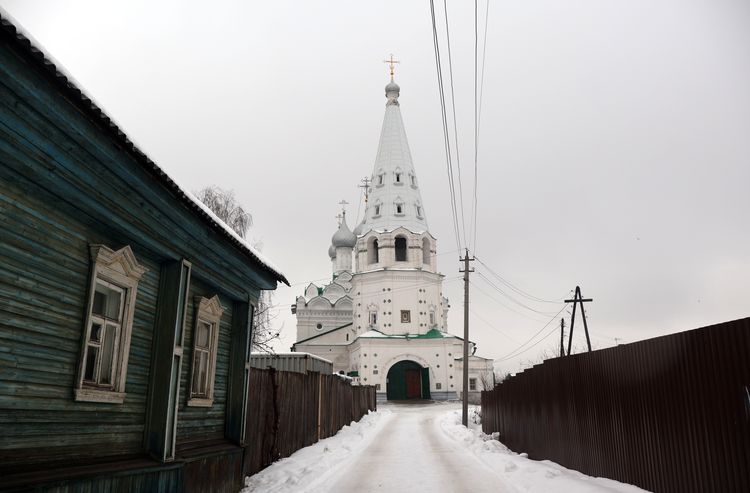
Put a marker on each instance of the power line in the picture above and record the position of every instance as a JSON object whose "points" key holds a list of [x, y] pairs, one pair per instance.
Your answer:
{"points": [[504, 305], [518, 351], [446, 137], [478, 112], [494, 286], [517, 289], [491, 326], [455, 124]]}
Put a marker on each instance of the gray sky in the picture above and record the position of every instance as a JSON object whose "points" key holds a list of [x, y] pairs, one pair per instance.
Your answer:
{"points": [[614, 148]]}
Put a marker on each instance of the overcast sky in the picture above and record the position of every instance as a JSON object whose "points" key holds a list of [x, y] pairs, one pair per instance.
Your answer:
{"points": [[614, 146]]}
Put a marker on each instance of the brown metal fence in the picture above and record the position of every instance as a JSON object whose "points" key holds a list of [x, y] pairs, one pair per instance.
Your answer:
{"points": [[670, 414], [288, 411]]}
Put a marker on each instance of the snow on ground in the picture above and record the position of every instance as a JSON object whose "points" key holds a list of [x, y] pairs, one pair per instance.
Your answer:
{"points": [[525, 475], [420, 447], [308, 468]]}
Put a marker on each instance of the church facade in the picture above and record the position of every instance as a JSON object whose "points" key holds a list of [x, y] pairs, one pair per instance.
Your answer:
{"points": [[383, 317]]}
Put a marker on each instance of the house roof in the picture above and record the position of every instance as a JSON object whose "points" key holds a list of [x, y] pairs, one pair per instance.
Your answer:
{"points": [[323, 333], [65, 84]]}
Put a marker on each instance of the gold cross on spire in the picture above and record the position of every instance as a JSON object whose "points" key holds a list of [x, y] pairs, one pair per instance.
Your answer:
{"points": [[391, 65]]}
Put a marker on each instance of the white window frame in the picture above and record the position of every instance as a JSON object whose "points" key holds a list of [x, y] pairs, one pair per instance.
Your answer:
{"points": [[472, 385], [120, 271], [207, 311]]}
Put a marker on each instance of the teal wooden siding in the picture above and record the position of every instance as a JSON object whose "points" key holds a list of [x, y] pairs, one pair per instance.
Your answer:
{"points": [[204, 423], [68, 181], [43, 286]]}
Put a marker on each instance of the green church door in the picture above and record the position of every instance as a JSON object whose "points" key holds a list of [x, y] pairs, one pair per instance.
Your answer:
{"points": [[413, 384]]}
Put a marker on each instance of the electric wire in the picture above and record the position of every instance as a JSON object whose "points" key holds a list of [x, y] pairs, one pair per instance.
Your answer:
{"points": [[496, 288], [518, 351], [491, 326], [446, 136], [515, 288], [473, 226], [455, 123], [509, 308]]}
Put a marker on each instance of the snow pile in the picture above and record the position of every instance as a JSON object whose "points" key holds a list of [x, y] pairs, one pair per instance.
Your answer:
{"points": [[525, 475], [311, 467]]}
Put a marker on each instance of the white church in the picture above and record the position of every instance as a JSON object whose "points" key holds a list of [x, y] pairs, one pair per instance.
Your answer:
{"points": [[383, 320]]}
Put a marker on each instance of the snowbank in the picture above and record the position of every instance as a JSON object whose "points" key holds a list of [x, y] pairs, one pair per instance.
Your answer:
{"points": [[310, 467], [525, 475]]}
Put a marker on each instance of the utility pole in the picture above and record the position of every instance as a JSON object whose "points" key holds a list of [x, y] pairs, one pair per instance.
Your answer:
{"points": [[465, 400], [578, 299], [562, 337]]}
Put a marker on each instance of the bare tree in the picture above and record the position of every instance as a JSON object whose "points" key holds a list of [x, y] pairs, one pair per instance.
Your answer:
{"points": [[487, 379], [224, 204]]}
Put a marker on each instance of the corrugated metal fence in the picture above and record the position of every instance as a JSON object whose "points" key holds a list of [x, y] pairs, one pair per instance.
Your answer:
{"points": [[670, 414], [290, 410]]}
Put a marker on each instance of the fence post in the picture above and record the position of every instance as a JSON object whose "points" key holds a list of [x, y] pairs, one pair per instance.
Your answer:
{"points": [[320, 401]]}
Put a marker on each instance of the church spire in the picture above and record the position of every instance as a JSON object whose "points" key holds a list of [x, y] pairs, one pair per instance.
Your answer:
{"points": [[395, 199]]}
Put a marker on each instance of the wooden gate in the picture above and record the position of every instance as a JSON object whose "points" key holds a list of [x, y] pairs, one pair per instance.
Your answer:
{"points": [[413, 384]]}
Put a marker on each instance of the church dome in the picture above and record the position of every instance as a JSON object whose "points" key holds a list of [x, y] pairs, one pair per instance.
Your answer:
{"points": [[392, 90], [343, 237], [360, 228], [332, 252]]}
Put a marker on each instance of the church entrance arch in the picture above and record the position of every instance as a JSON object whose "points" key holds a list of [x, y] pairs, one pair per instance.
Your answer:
{"points": [[407, 379]]}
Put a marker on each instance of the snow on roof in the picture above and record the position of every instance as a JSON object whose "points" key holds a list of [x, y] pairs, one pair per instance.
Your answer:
{"points": [[52, 66], [373, 333]]}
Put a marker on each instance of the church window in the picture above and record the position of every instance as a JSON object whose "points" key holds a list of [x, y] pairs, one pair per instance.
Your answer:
{"points": [[373, 318], [432, 318], [109, 320], [399, 209], [398, 177], [205, 345], [419, 211], [374, 372], [472, 384], [425, 251], [380, 179], [372, 251], [319, 326], [438, 386], [405, 316], [347, 337], [413, 180], [400, 249], [377, 386], [377, 210]]}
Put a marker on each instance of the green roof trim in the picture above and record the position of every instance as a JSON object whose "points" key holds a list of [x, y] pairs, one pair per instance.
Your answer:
{"points": [[354, 373], [431, 334]]}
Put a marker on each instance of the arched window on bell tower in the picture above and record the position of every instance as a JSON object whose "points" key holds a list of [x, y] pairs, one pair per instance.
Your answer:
{"points": [[372, 251], [425, 251], [400, 249]]}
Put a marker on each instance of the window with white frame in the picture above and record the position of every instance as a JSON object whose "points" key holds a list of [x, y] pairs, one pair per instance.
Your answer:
{"points": [[205, 345], [472, 384], [108, 325]]}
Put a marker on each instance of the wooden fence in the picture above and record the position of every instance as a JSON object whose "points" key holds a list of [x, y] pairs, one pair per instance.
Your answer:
{"points": [[670, 414], [288, 411]]}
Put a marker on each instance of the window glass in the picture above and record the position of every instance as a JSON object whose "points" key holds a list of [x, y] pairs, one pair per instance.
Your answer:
{"points": [[405, 316], [107, 301]]}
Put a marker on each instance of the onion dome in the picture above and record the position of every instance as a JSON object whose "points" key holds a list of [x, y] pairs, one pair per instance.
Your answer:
{"points": [[332, 252], [392, 90], [343, 237], [360, 228]]}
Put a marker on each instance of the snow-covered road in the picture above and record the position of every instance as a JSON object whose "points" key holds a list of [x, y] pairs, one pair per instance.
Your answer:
{"points": [[412, 454], [415, 448]]}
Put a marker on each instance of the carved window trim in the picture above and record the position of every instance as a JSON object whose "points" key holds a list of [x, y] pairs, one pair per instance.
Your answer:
{"points": [[208, 311], [114, 271]]}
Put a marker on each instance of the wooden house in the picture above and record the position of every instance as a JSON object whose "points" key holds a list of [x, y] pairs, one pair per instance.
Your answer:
{"points": [[125, 305]]}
